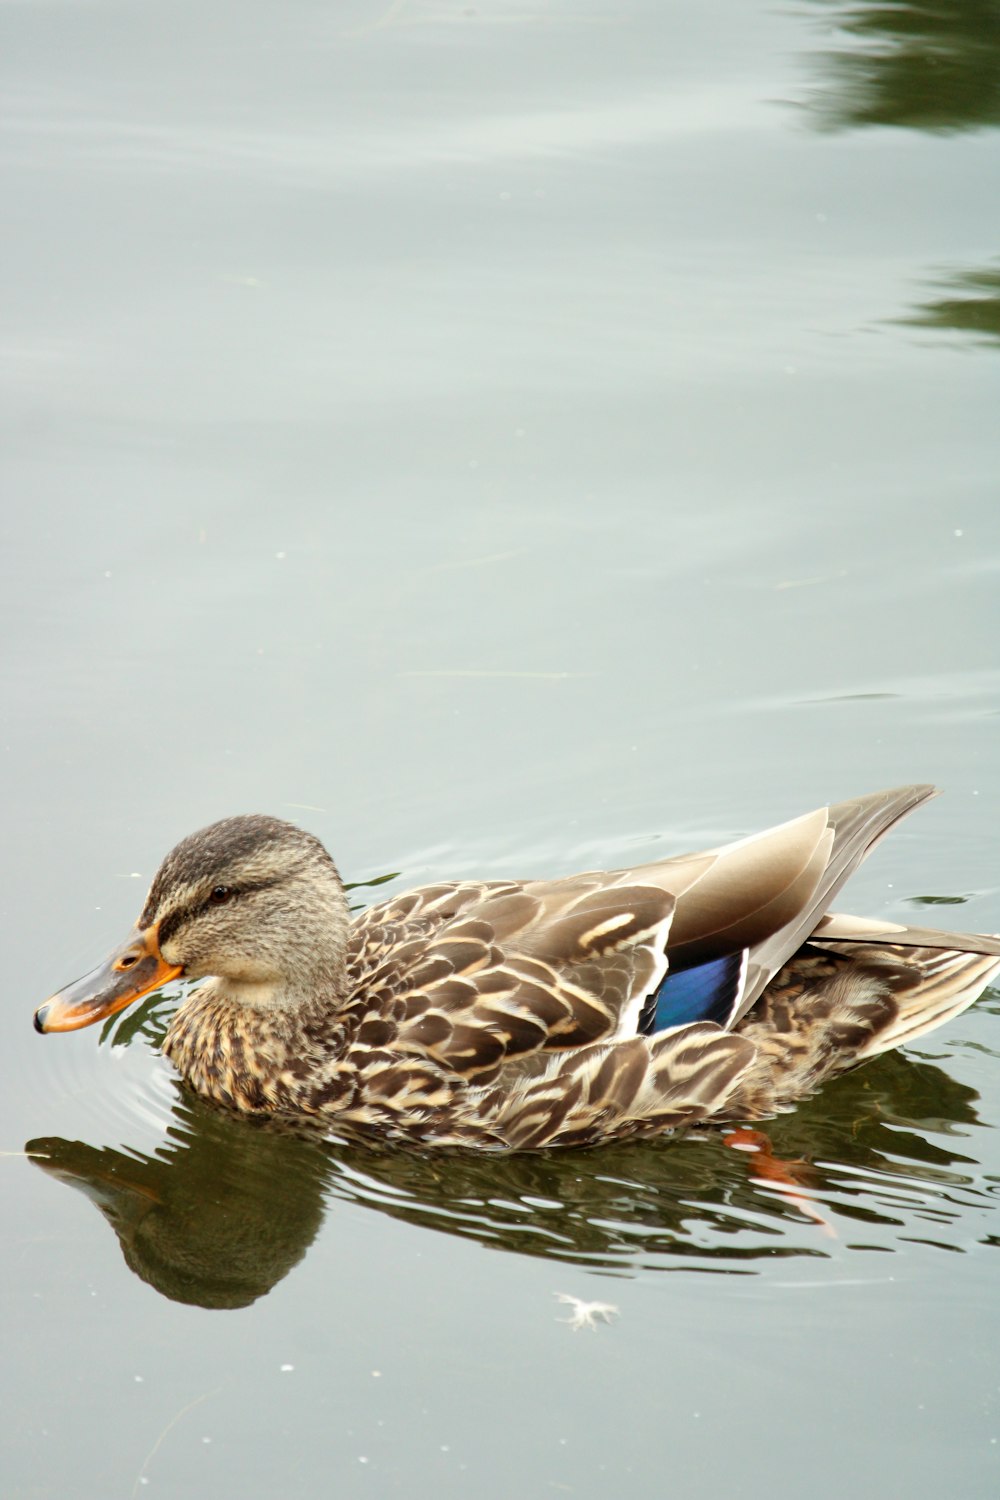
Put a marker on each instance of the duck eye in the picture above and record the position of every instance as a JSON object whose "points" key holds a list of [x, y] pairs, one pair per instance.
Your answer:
{"points": [[220, 893]]}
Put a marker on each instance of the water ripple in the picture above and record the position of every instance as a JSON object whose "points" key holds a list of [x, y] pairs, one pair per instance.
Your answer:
{"points": [[214, 1209]]}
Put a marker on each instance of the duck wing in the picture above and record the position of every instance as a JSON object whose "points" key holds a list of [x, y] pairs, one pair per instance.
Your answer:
{"points": [[480, 974]]}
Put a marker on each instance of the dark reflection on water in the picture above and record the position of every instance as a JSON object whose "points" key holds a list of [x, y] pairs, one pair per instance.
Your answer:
{"points": [[227, 1207], [925, 67], [972, 304], [220, 1213]]}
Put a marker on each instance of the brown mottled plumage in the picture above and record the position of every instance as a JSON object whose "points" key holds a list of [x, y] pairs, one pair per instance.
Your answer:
{"points": [[528, 1014]]}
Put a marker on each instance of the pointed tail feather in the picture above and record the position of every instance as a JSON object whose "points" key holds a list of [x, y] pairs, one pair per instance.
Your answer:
{"points": [[837, 926], [857, 826]]}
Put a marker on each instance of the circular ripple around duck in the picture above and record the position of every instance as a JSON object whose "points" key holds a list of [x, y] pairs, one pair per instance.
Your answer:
{"points": [[96, 1087]]}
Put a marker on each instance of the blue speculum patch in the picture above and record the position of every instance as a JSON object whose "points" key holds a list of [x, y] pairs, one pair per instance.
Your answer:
{"points": [[705, 992]]}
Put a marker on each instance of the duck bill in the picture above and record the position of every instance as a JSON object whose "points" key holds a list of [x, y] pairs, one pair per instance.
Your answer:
{"points": [[133, 970]]}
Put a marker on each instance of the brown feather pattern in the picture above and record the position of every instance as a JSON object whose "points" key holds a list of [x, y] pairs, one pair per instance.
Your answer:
{"points": [[504, 1015]]}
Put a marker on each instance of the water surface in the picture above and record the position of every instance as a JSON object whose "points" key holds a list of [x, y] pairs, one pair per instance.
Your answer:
{"points": [[506, 438]]}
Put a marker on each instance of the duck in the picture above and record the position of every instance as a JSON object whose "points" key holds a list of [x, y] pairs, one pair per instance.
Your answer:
{"points": [[523, 1015]]}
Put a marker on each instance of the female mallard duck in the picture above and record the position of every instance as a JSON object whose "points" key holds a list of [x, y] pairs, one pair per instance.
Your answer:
{"points": [[527, 1014]]}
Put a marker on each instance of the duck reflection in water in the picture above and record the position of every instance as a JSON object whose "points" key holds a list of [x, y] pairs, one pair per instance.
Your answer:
{"points": [[225, 1209]]}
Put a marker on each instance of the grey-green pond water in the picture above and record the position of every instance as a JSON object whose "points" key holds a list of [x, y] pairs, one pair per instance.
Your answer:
{"points": [[508, 438]]}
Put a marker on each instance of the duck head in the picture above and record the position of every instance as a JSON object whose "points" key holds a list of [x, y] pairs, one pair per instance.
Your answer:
{"points": [[253, 902]]}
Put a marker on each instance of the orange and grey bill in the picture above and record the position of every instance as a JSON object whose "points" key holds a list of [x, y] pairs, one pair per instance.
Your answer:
{"points": [[133, 970]]}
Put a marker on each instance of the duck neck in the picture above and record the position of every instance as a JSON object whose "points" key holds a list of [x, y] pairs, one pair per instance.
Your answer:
{"points": [[247, 1051]]}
